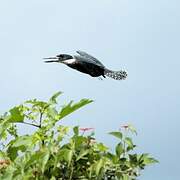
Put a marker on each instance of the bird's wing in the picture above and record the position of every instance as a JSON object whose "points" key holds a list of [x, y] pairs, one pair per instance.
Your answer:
{"points": [[87, 61], [87, 56]]}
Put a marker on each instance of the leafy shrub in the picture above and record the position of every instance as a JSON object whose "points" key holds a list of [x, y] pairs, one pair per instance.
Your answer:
{"points": [[54, 151]]}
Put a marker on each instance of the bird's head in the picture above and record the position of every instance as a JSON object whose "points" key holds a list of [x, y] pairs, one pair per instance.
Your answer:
{"points": [[61, 58]]}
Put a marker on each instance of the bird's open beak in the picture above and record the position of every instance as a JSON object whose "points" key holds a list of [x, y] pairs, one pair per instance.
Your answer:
{"points": [[54, 59]]}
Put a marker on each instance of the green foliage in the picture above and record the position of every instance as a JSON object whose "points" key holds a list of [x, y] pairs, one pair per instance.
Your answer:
{"points": [[54, 151]]}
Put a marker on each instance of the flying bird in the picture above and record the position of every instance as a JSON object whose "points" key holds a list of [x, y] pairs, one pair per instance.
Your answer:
{"points": [[88, 64]]}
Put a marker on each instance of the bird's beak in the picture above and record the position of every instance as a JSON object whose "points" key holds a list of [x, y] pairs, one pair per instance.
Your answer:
{"points": [[54, 59]]}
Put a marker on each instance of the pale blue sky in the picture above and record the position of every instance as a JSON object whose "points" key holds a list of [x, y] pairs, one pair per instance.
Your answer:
{"points": [[140, 36]]}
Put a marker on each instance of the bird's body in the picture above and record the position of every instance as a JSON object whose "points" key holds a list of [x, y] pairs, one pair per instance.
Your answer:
{"points": [[88, 64]]}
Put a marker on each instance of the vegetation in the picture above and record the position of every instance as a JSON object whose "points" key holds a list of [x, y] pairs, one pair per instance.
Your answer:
{"points": [[54, 151]]}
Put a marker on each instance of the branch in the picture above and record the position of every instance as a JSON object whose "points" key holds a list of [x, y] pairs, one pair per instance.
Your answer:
{"points": [[40, 119], [35, 125]]}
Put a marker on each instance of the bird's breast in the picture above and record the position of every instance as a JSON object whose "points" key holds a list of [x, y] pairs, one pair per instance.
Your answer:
{"points": [[69, 61]]}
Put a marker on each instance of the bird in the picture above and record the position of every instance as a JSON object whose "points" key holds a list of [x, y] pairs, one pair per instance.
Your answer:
{"points": [[87, 64]]}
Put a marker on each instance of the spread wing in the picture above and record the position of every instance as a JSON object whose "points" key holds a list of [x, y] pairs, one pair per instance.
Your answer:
{"points": [[87, 56]]}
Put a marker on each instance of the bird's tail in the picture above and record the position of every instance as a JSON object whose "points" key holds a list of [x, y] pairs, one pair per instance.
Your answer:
{"points": [[117, 75]]}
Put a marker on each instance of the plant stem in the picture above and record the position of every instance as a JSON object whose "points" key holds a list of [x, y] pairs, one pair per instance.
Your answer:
{"points": [[124, 144], [71, 173], [125, 134], [40, 119]]}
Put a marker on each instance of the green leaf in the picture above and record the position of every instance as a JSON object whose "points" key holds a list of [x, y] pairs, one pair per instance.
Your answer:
{"points": [[119, 149], [132, 129], [3, 130], [79, 141], [98, 166], [67, 154], [44, 159], [101, 147], [133, 158], [37, 103], [68, 109], [76, 130], [39, 158], [8, 174], [12, 130], [16, 115], [53, 178], [114, 158], [63, 130], [129, 142], [125, 177], [52, 113], [22, 141], [53, 99], [82, 154], [146, 159], [13, 152], [116, 134], [151, 160], [3, 155]]}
